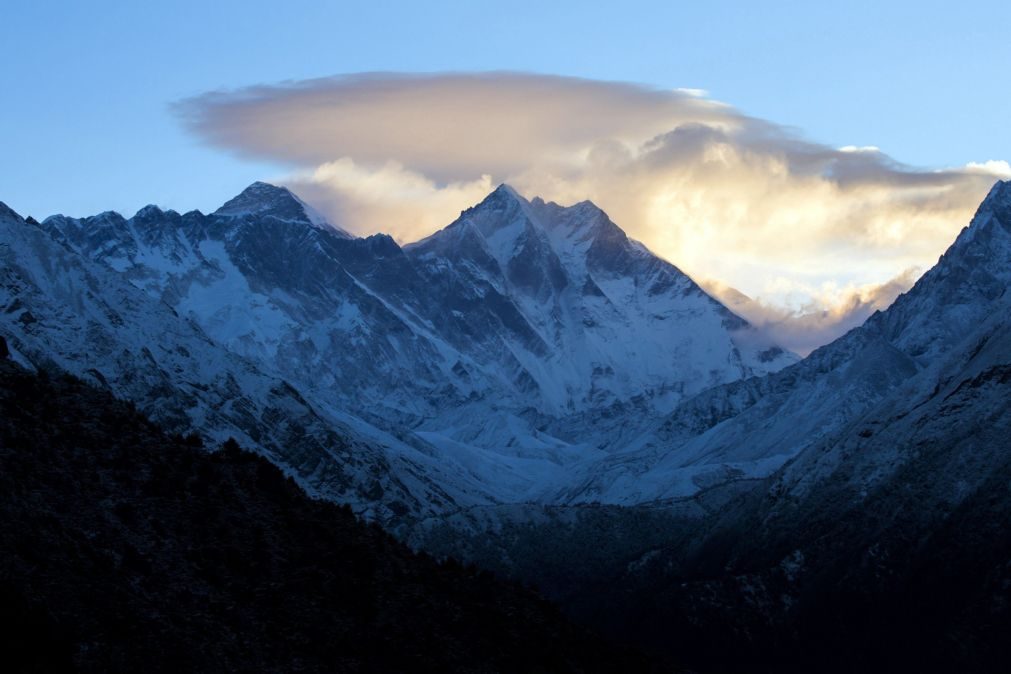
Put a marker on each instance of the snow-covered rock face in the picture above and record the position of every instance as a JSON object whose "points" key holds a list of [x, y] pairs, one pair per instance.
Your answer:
{"points": [[262, 200], [584, 317], [506, 351], [750, 428], [528, 352], [58, 308], [517, 306]]}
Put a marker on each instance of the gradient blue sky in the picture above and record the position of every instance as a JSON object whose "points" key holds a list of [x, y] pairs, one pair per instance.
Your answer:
{"points": [[85, 123]]}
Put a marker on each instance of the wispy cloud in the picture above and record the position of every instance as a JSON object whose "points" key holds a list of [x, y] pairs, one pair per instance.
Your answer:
{"points": [[824, 313], [721, 194]]}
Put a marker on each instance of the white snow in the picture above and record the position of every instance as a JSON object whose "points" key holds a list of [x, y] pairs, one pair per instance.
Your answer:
{"points": [[598, 373]]}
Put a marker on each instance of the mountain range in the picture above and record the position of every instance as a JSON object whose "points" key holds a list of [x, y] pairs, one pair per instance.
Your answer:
{"points": [[487, 363], [530, 389]]}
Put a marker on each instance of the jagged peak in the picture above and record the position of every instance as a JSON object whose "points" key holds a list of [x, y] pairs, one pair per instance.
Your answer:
{"points": [[107, 216], [501, 208], [506, 190], [994, 213], [382, 245], [587, 205], [998, 202], [505, 208], [999, 193], [261, 186], [973, 272], [62, 221], [503, 197], [259, 197], [585, 212], [582, 221], [8, 212], [149, 211], [265, 199]]}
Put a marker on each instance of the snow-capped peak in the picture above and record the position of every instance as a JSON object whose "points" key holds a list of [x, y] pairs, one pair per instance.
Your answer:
{"points": [[265, 200], [506, 191], [8, 212], [1000, 192], [504, 200], [259, 197], [149, 211], [998, 203]]}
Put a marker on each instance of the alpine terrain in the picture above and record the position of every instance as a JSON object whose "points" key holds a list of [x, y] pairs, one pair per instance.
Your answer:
{"points": [[530, 390], [490, 363], [877, 538]]}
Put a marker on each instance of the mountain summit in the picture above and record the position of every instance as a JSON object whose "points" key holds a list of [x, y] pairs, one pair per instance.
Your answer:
{"points": [[612, 320], [263, 200]]}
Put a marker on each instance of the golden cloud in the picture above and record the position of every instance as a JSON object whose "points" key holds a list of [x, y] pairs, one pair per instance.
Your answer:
{"points": [[823, 314]]}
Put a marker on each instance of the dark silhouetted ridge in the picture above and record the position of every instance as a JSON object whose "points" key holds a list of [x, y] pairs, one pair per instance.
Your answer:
{"points": [[123, 549]]}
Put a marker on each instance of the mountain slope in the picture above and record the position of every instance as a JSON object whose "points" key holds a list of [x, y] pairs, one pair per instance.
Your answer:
{"points": [[878, 542], [510, 299], [747, 429], [123, 549], [592, 317], [521, 342], [59, 309], [883, 548]]}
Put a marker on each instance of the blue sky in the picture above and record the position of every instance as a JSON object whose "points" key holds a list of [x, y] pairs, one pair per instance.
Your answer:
{"points": [[85, 123]]}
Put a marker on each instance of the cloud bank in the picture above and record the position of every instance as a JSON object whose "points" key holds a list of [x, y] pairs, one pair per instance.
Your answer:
{"points": [[808, 231], [830, 313]]}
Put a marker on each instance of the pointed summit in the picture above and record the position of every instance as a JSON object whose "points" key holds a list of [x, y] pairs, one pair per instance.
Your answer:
{"points": [[265, 200], [998, 202], [499, 218], [149, 212], [8, 212], [987, 239], [503, 199], [584, 220], [505, 190], [1001, 191]]}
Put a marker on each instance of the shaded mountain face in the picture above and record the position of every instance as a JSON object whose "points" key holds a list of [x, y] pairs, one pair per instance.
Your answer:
{"points": [[591, 317], [62, 310], [491, 360], [749, 428], [262, 201], [124, 549], [531, 305], [882, 546]]}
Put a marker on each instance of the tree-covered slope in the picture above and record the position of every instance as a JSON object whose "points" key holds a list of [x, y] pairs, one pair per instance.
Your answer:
{"points": [[125, 549]]}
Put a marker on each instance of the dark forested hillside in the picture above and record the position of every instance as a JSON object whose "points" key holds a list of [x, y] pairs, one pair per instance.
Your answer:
{"points": [[124, 549]]}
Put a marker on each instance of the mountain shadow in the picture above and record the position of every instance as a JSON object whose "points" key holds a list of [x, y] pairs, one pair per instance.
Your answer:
{"points": [[125, 549]]}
